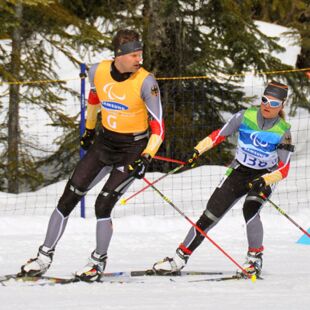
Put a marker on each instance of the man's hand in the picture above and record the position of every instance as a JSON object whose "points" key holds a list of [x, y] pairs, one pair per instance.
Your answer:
{"points": [[257, 185], [140, 165], [192, 161], [88, 138]]}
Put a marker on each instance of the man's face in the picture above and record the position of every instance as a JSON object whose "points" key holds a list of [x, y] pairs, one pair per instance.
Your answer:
{"points": [[267, 109], [129, 62]]}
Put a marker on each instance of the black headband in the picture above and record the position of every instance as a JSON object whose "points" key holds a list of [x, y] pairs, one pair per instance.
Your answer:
{"points": [[128, 47], [276, 90]]}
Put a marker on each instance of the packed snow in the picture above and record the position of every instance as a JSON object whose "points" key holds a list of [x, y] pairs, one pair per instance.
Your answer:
{"points": [[140, 241]]}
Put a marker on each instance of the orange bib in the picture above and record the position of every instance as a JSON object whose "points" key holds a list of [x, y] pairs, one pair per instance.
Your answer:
{"points": [[122, 108]]}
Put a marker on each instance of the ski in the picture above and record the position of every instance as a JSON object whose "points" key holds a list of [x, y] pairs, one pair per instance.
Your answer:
{"points": [[151, 272], [38, 280], [119, 277], [50, 281], [220, 279]]}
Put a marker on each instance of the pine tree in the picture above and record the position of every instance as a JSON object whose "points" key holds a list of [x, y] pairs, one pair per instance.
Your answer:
{"points": [[217, 39], [37, 29], [296, 16]]}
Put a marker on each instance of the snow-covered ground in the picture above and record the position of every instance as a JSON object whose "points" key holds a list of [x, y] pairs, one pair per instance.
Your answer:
{"points": [[140, 241]]}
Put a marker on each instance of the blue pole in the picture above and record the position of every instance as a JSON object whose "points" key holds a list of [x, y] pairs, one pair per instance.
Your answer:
{"points": [[82, 122]]}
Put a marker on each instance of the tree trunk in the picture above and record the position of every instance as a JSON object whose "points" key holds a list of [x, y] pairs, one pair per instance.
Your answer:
{"points": [[153, 34], [13, 125]]}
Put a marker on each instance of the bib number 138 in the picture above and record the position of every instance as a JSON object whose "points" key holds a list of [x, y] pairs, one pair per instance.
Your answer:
{"points": [[253, 161]]}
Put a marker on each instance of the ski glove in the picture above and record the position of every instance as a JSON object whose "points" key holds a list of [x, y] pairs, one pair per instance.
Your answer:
{"points": [[88, 138], [140, 165], [192, 161], [257, 185]]}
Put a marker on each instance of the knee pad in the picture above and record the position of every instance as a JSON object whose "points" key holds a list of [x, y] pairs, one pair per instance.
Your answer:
{"points": [[105, 203], [69, 199], [205, 221], [194, 238]]}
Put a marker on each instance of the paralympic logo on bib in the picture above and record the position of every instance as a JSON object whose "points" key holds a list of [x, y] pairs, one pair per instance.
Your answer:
{"points": [[256, 141], [108, 89]]}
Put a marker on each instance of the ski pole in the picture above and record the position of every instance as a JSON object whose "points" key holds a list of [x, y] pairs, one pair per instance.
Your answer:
{"points": [[125, 200], [252, 277], [285, 214], [169, 160]]}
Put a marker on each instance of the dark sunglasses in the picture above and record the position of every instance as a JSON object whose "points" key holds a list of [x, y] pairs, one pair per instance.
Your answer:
{"points": [[272, 103]]}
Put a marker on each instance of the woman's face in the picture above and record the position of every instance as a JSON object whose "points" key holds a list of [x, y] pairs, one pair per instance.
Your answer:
{"points": [[270, 106]]}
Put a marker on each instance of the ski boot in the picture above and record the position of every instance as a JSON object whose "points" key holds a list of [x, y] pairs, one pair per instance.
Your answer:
{"points": [[94, 269], [38, 266], [254, 263], [171, 266]]}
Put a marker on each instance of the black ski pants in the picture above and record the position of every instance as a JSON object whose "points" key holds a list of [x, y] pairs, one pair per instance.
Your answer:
{"points": [[110, 154]]}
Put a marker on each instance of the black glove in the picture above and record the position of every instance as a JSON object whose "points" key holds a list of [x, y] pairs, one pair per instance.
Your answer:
{"points": [[192, 161], [257, 185], [88, 138], [140, 165]]}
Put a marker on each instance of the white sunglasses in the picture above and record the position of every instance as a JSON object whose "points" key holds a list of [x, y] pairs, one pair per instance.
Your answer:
{"points": [[272, 103]]}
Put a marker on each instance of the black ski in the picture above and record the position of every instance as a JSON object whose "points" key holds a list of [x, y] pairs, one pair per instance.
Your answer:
{"points": [[151, 272]]}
